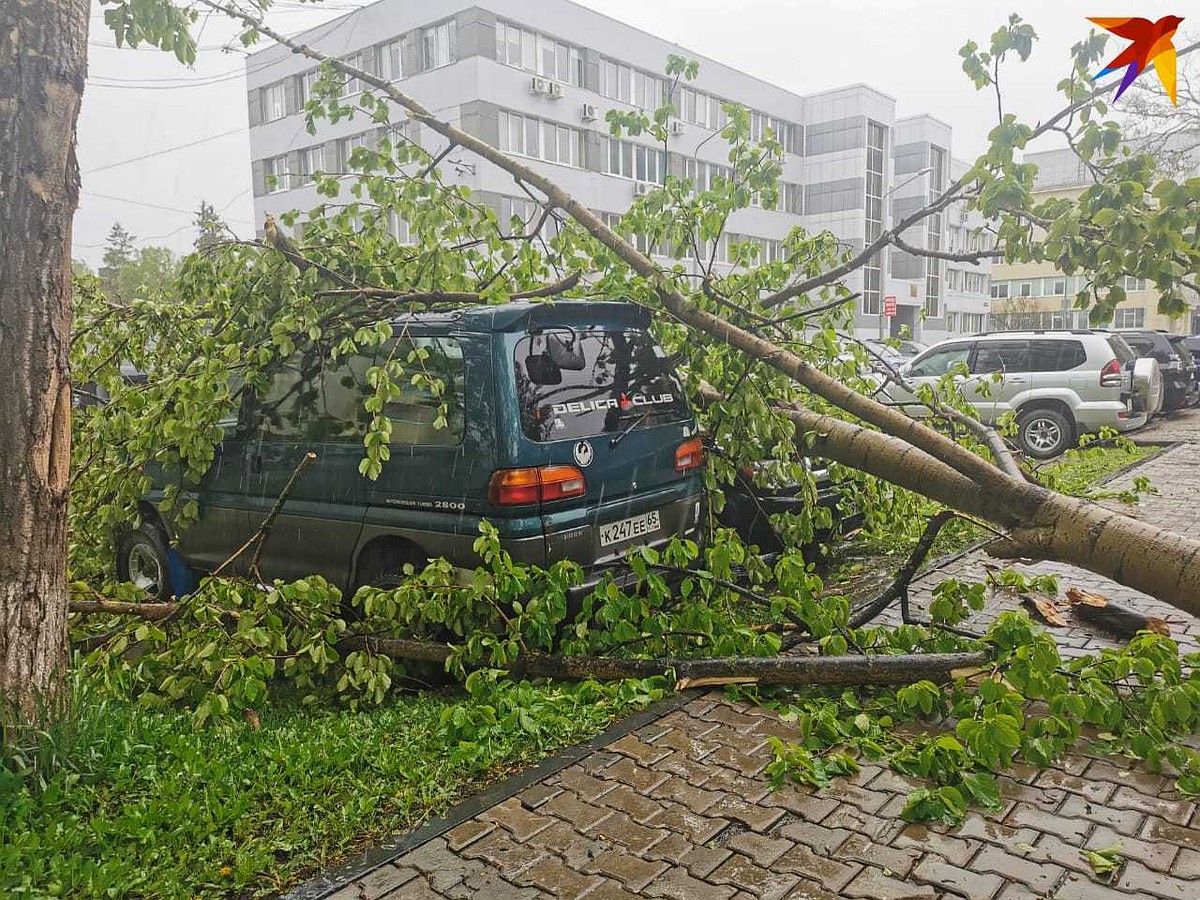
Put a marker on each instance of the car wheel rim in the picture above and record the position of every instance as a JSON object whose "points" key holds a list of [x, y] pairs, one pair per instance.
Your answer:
{"points": [[144, 569], [1043, 435]]}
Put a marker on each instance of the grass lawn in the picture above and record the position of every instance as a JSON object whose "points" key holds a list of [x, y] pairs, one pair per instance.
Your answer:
{"points": [[141, 804]]}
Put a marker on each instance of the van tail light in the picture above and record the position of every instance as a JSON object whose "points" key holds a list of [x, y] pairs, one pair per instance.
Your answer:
{"points": [[689, 455], [1110, 375], [516, 487]]}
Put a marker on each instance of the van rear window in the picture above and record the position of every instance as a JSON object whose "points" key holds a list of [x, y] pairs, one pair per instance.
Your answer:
{"points": [[578, 382]]}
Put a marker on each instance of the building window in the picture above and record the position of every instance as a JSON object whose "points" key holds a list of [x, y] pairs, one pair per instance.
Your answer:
{"points": [[399, 229], [793, 199], [539, 139], [1129, 317], [630, 160], [951, 320], [304, 86], [523, 49], [346, 148], [975, 283], [439, 45], [352, 85], [516, 214], [999, 290], [703, 174], [1134, 284], [312, 160], [391, 64], [972, 323], [274, 102], [933, 234], [276, 175], [621, 82], [876, 155]]}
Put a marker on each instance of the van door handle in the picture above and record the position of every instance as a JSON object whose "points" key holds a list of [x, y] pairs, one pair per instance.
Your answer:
{"points": [[1015, 380]]}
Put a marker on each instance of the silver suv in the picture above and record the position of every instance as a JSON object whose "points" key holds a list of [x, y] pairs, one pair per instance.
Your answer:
{"points": [[1059, 383]]}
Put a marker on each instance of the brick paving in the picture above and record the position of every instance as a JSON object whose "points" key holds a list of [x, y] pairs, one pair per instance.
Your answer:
{"points": [[680, 808]]}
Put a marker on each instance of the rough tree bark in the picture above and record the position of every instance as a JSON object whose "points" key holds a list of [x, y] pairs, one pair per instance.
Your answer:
{"points": [[43, 63]]}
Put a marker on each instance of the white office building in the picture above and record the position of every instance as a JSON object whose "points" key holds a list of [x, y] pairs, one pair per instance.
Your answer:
{"points": [[536, 79]]}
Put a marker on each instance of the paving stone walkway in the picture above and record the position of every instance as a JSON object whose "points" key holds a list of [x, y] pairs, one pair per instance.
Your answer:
{"points": [[680, 808]]}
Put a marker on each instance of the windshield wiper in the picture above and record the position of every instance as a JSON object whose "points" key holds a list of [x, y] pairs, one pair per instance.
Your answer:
{"points": [[617, 438]]}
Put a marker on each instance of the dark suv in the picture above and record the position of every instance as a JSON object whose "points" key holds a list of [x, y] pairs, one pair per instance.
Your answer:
{"points": [[566, 428], [1174, 361]]}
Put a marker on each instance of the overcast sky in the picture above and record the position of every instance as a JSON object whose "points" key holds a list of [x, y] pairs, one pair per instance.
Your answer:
{"points": [[140, 104]]}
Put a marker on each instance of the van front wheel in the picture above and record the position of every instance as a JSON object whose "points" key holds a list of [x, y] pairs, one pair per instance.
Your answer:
{"points": [[1045, 433], [142, 560]]}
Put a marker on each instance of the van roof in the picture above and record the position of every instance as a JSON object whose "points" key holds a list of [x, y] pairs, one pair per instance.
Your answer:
{"points": [[524, 315]]}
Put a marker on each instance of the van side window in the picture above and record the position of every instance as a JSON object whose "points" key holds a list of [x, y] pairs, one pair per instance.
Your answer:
{"points": [[1055, 356], [289, 411], [414, 413], [314, 399]]}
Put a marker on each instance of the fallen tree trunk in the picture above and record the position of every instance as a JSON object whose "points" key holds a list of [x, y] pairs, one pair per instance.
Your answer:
{"points": [[814, 670]]}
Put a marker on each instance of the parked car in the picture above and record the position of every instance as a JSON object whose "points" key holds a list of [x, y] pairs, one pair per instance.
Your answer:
{"points": [[1192, 344], [567, 429], [1191, 364], [1059, 383], [749, 506], [1178, 373], [896, 351]]}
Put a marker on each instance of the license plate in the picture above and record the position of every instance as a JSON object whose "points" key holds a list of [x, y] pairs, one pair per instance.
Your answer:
{"points": [[627, 529]]}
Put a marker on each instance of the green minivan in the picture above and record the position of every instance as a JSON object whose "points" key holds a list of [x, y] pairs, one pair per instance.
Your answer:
{"points": [[567, 429]]}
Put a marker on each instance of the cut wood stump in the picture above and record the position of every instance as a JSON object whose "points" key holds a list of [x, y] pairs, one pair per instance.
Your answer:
{"points": [[1098, 610]]}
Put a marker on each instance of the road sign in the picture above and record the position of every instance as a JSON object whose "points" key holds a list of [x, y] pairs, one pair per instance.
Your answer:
{"points": [[889, 305]]}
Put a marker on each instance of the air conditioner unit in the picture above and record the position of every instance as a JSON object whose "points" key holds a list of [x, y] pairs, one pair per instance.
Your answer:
{"points": [[641, 188], [589, 113], [555, 90], [539, 85], [678, 127]]}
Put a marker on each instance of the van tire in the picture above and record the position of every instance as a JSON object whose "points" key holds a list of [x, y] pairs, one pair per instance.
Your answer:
{"points": [[142, 560], [382, 565], [1044, 432]]}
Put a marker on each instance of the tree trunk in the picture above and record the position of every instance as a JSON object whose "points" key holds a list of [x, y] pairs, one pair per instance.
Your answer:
{"points": [[43, 63]]}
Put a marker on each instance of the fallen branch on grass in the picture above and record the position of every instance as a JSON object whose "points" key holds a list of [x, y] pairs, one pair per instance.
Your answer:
{"points": [[803, 669]]}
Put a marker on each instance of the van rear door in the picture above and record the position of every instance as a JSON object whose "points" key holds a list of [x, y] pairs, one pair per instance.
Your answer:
{"points": [[606, 400]]}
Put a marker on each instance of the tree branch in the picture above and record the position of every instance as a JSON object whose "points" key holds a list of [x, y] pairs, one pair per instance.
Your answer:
{"points": [[972, 256]]}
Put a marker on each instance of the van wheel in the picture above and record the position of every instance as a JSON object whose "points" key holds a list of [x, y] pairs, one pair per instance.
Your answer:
{"points": [[383, 567], [142, 560], [1044, 433]]}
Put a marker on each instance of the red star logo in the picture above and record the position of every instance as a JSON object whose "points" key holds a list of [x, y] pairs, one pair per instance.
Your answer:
{"points": [[625, 402]]}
